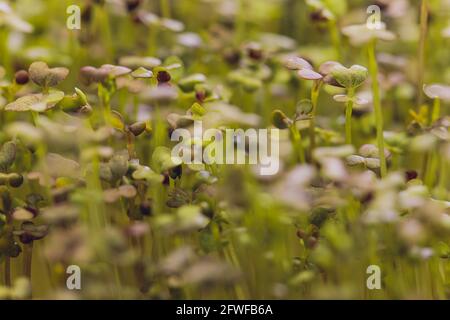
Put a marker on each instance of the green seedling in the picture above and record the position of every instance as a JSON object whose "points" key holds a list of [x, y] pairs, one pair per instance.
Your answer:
{"points": [[281, 121], [349, 78], [361, 35], [87, 177]]}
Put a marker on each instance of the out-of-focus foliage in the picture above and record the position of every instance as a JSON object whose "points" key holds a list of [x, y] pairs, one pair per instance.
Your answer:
{"points": [[87, 179]]}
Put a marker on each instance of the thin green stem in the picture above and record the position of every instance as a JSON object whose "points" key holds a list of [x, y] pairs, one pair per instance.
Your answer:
{"points": [[373, 70], [426, 160], [160, 129], [104, 26], [335, 38], [130, 145], [96, 210], [105, 99], [27, 260], [35, 117], [431, 169], [312, 124], [297, 142], [165, 8], [348, 116], [436, 111], [443, 178], [151, 44], [421, 53], [240, 22], [5, 57]]}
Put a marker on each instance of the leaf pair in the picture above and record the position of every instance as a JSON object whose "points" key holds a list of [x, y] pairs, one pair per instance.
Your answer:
{"points": [[361, 34], [351, 77], [91, 74], [37, 102], [368, 156], [45, 77], [304, 68]]}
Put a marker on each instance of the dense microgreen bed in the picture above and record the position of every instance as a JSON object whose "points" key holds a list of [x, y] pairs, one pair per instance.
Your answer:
{"points": [[87, 180]]}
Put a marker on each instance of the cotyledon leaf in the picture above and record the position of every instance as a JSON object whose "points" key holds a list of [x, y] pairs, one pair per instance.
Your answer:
{"points": [[36, 102]]}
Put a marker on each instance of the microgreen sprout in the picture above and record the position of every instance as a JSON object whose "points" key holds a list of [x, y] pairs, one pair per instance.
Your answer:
{"points": [[360, 35], [89, 122], [349, 78]]}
